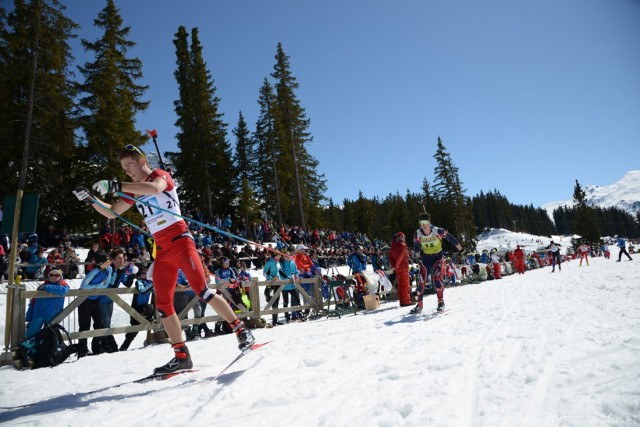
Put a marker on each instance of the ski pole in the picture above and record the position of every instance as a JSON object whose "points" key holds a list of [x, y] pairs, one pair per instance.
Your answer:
{"points": [[122, 218], [154, 135], [210, 227]]}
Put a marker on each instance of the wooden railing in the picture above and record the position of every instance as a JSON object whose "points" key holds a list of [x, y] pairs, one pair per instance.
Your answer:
{"points": [[309, 300]]}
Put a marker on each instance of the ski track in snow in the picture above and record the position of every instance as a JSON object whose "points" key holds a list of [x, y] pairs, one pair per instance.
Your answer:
{"points": [[540, 349]]}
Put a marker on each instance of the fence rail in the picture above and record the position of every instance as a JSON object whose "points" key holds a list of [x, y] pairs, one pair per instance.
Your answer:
{"points": [[311, 299]]}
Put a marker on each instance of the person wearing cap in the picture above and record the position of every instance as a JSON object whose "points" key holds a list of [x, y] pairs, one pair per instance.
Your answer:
{"points": [[399, 260], [518, 263], [42, 310], [175, 248], [428, 243], [554, 249]]}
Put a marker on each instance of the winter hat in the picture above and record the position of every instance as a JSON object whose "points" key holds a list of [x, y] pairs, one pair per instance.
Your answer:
{"points": [[301, 248], [399, 234], [54, 272], [425, 217]]}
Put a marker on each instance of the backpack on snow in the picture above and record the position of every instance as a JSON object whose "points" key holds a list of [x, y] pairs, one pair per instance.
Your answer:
{"points": [[48, 348]]}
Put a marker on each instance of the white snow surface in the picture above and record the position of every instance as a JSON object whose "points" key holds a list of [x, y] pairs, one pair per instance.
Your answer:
{"points": [[542, 349]]}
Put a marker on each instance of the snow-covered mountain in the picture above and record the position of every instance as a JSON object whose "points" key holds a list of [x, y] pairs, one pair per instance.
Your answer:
{"points": [[623, 194]]}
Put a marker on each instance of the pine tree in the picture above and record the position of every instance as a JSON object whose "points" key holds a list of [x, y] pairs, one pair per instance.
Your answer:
{"points": [[455, 211], [111, 97], [244, 157], [203, 164], [301, 186], [266, 179], [37, 108], [584, 222], [245, 163]]}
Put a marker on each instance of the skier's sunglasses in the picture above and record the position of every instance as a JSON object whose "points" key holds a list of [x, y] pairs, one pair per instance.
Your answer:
{"points": [[55, 275], [425, 222], [132, 147]]}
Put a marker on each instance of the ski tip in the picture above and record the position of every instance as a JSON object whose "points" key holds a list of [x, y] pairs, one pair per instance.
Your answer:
{"points": [[257, 346]]}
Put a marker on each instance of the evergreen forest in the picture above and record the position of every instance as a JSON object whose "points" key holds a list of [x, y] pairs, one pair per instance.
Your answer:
{"points": [[61, 123]]}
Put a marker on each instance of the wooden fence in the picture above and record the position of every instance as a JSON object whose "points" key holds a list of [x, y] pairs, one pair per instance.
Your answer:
{"points": [[311, 300]]}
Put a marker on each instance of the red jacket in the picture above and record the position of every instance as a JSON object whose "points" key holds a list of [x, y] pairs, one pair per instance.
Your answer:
{"points": [[303, 262], [399, 255]]}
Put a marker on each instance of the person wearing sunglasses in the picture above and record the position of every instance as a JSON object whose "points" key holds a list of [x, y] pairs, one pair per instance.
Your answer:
{"points": [[175, 248], [428, 244], [42, 310]]}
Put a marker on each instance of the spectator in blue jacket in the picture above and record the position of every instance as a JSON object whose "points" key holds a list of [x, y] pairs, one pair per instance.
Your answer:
{"points": [[122, 272], [622, 244], [357, 261], [36, 256], [42, 310], [89, 309], [288, 271], [271, 272], [141, 303]]}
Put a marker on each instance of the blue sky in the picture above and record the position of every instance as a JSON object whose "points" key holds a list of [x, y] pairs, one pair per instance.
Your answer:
{"points": [[527, 96]]}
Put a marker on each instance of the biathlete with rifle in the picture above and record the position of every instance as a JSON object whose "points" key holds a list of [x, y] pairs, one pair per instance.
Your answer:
{"points": [[175, 248], [427, 241]]}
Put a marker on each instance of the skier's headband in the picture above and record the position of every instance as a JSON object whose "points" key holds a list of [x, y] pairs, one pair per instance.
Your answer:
{"points": [[425, 222], [131, 150]]}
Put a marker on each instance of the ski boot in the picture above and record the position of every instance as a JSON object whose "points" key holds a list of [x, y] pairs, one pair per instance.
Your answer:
{"points": [[417, 309], [244, 335], [180, 362], [440, 305]]}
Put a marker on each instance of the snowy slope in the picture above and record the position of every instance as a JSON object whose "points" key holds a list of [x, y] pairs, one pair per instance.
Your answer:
{"points": [[504, 241], [535, 350], [623, 194]]}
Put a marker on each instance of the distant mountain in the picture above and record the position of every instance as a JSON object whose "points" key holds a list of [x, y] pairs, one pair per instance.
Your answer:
{"points": [[624, 194]]}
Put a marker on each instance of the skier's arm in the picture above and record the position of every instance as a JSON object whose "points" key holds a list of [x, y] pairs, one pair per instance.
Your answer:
{"points": [[450, 238], [156, 186]]}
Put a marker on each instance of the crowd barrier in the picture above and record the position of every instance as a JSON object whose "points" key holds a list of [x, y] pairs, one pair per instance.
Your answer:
{"points": [[311, 300]]}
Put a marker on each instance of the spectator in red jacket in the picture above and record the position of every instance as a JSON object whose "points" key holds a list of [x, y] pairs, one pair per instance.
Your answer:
{"points": [[518, 260], [399, 260], [303, 262], [54, 257]]}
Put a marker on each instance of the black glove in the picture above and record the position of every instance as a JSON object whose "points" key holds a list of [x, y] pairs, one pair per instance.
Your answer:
{"points": [[84, 195], [106, 186]]}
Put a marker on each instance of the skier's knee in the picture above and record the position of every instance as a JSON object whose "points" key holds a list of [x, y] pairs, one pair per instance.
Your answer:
{"points": [[165, 310], [207, 295]]}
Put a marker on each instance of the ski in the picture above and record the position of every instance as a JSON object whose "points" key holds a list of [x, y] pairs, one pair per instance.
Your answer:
{"points": [[436, 313], [238, 357], [162, 377]]}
